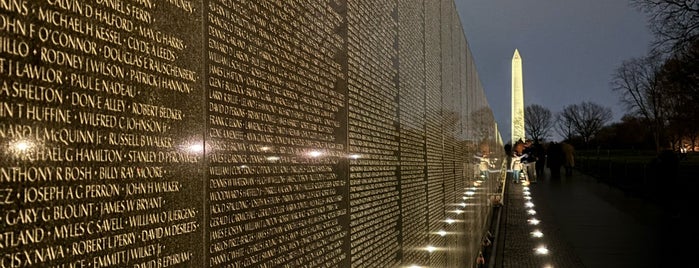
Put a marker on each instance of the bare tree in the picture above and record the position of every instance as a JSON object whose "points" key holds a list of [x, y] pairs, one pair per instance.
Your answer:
{"points": [[675, 23], [538, 121], [482, 123], [586, 118], [640, 87], [564, 127], [483, 127]]}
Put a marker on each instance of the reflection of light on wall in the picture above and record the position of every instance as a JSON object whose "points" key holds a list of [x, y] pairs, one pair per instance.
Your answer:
{"points": [[529, 204], [458, 211], [265, 148], [430, 249], [450, 220], [442, 233], [355, 156], [243, 166], [273, 158], [195, 148], [531, 212], [470, 193], [21, 146], [315, 153]]}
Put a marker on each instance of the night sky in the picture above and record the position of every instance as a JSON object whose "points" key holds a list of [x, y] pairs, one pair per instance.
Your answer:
{"points": [[569, 49]]}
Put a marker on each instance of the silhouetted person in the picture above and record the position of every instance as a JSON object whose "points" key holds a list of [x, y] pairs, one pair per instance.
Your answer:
{"points": [[540, 155], [530, 161], [518, 157], [555, 159], [569, 153], [508, 154]]}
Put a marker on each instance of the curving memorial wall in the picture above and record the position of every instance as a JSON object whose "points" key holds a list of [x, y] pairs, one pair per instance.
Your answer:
{"points": [[241, 133]]}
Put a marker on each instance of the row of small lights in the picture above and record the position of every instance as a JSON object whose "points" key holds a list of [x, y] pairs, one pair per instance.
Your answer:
{"points": [[468, 194], [536, 233]]}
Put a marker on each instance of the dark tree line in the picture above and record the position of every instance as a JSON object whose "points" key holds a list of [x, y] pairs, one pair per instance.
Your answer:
{"points": [[660, 90], [663, 87], [576, 121]]}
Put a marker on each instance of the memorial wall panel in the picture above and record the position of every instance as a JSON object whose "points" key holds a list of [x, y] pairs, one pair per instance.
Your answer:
{"points": [[373, 133], [101, 158], [275, 195], [411, 88], [434, 146], [238, 133], [449, 92]]}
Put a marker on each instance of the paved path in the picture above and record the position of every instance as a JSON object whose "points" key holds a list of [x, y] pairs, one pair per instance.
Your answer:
{"points": [[589, 224]]}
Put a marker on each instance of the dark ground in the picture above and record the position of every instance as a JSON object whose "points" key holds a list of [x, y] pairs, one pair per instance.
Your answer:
{"points": [[587, 223]]}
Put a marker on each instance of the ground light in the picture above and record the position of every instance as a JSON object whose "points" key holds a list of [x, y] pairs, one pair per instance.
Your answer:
{"points": [[541, 250], [537, 234]]}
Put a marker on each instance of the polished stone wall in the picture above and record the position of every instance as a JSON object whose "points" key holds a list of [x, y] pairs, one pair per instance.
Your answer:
{"points": [[234, 133]]}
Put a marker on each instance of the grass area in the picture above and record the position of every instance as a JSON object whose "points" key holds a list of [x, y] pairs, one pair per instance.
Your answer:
{"points": [[635, 172]]}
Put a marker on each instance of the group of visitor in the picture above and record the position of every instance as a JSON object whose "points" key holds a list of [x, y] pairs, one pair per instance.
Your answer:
{"points": [[526, 160]]}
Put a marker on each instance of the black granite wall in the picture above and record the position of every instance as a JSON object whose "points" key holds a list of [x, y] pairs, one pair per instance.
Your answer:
{"points": [[239, 133]]}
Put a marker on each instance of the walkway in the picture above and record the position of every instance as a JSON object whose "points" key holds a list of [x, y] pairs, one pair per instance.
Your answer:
{"points": [[589, 224]]}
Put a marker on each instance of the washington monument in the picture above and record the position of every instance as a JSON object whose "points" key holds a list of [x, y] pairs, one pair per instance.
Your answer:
{"points": [[517, 99]]}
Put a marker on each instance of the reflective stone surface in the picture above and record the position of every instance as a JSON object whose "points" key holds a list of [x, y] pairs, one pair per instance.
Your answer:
{"points": [[226, 133]]}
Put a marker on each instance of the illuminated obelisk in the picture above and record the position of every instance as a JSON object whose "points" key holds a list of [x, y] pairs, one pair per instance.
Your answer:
{"points": [[517, 99]]}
